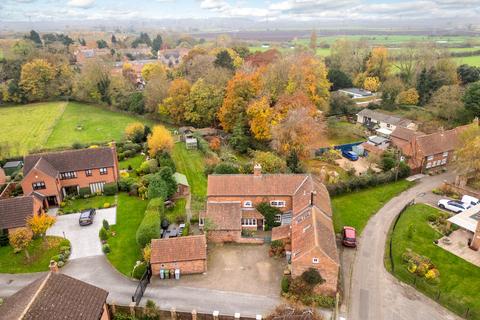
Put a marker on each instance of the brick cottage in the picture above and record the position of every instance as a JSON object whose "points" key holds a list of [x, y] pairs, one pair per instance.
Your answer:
{"points": [[58, 174]]}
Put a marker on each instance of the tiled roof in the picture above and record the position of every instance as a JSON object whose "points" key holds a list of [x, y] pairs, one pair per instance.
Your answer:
{"points": [[282, 232], [438, 142], [15, 211], [73, 160], [404, 133], [179, 249], [43, 165], [312, 229], [224, 215], [383, 117], [251, 185], [55, 297]]}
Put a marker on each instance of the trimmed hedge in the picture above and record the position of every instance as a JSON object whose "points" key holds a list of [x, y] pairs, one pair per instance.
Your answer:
{"points": [[150, 226], [110, 189], [84, 192]]}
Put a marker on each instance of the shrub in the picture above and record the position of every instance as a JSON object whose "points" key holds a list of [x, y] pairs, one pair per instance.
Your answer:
{"points": [[139, 270], [186, 230], [269, 213], [106, 205], [105, 224], [312, 277], [110, 189], [128, 153], [77, 145], [125, 184], [285, 284], [60, 264], [165, 160], [135, 131], [84, 192], [166, 174], [318, 300], [149, 166], [226, 168], [149, 228], [106, 248], [103, 235], [56, 258], [157, 188]]}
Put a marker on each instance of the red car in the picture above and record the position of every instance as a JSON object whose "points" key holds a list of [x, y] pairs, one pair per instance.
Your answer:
{"points": [[349, 237]]}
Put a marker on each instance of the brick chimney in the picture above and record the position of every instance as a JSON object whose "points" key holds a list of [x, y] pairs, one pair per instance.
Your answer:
{"points": [[475, 245], [53, 266], [257, 170]]}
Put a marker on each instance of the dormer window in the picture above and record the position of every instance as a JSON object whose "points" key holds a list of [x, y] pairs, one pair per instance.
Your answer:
{"points": [[278, 203], [247, 204], [315, 260]]}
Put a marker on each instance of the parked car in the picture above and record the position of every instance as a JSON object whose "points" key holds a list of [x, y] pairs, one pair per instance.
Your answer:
{"points": [[456, 206], [470, 200], [349, 238], [86, 217], [180, 228], [350, 155]]}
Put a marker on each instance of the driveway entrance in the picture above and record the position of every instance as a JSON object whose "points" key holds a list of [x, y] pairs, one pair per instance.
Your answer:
{"points": [[85, 241]]}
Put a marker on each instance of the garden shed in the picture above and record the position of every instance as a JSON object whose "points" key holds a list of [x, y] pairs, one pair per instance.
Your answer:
{"points": [[183, 188], [191, 143], [12, 166]]}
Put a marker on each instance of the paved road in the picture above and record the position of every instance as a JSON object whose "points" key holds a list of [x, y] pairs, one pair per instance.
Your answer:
{"points": [[375, 294], [97, 271], [84, 240]]}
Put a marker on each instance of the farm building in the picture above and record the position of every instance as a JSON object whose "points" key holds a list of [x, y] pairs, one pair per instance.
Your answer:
{"points": [[12, 166]]}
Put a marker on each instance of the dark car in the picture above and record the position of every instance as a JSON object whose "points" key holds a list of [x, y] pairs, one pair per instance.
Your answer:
{"points": [[350, 155], [349, 237], [86, 217]]}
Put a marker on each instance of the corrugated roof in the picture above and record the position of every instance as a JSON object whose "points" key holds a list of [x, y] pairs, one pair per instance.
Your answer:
{"points": [[181, 179], [383, 117]]}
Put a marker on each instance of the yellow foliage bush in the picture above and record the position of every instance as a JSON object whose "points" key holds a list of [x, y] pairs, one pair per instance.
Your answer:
{"points": [[371, 84], [160, 140], [409, 97], [106, 205]]}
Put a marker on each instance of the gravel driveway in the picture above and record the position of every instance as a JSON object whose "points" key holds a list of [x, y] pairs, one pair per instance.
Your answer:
{"points": [[84, 240]]}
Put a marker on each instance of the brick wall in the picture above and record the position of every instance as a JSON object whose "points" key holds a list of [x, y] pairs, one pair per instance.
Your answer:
{"points": [[83, 181], [255, 200], [52, 185], [186, 267], [224, 236]]}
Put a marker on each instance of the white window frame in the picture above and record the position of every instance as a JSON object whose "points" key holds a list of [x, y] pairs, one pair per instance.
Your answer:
{"points": [[278, 218], [430, 158], [278, 203], [429, 165], [249, 222], [444, 161], [315, 260], [247, 204], [103, 171], [445, 154], [306, 228], [97, 187]]}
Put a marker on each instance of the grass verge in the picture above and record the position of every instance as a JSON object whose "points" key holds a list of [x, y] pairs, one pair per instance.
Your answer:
{"points": [[355, 209]]}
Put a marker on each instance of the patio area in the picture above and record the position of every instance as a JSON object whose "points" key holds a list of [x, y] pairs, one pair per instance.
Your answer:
{"points": [[457, 243]]}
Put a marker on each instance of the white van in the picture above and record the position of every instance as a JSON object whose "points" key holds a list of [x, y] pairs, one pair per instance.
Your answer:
{"points": [[469, 200]]}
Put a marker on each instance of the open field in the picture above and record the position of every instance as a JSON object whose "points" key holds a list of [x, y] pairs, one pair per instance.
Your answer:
{"points": [[28, 127], [458, 278], [354, 209], [88, 124], [473, 60], [59, 124]]}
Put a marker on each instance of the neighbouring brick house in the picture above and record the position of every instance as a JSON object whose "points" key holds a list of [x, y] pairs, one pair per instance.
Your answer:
{"points": [[15, 211], [188, 254], [56, 297], [3, 177], [58, 174], [427, 152]]}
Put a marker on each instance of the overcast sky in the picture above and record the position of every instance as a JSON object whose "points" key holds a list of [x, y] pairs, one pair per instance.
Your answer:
{"points": [[47, 10]]}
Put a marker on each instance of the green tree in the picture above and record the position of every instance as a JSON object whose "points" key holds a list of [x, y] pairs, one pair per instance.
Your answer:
{"points": [[101, 44], [157, 44], [390, 89], [35, 38], [341, 104], [166, 174], [224, 60], [269, 213], [36, 79], [239, 140], [113, 40], [270, 162], [293, 162], [468, 73], [472, 99], [157, 188], [203, 104], [339, 79]]}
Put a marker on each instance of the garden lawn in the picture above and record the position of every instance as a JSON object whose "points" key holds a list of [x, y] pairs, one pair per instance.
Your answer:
{"points": [[89, 124], [342, 132], [459, 280], [355, 209], [125, 251], [27, 127], [80, 204], [177, 211], [134, 162], [472, 60], [40, 253], [191, 163]]}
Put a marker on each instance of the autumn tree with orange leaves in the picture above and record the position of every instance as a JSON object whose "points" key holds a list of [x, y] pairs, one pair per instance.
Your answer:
{"points": [[241, 89], [175, 104]]}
